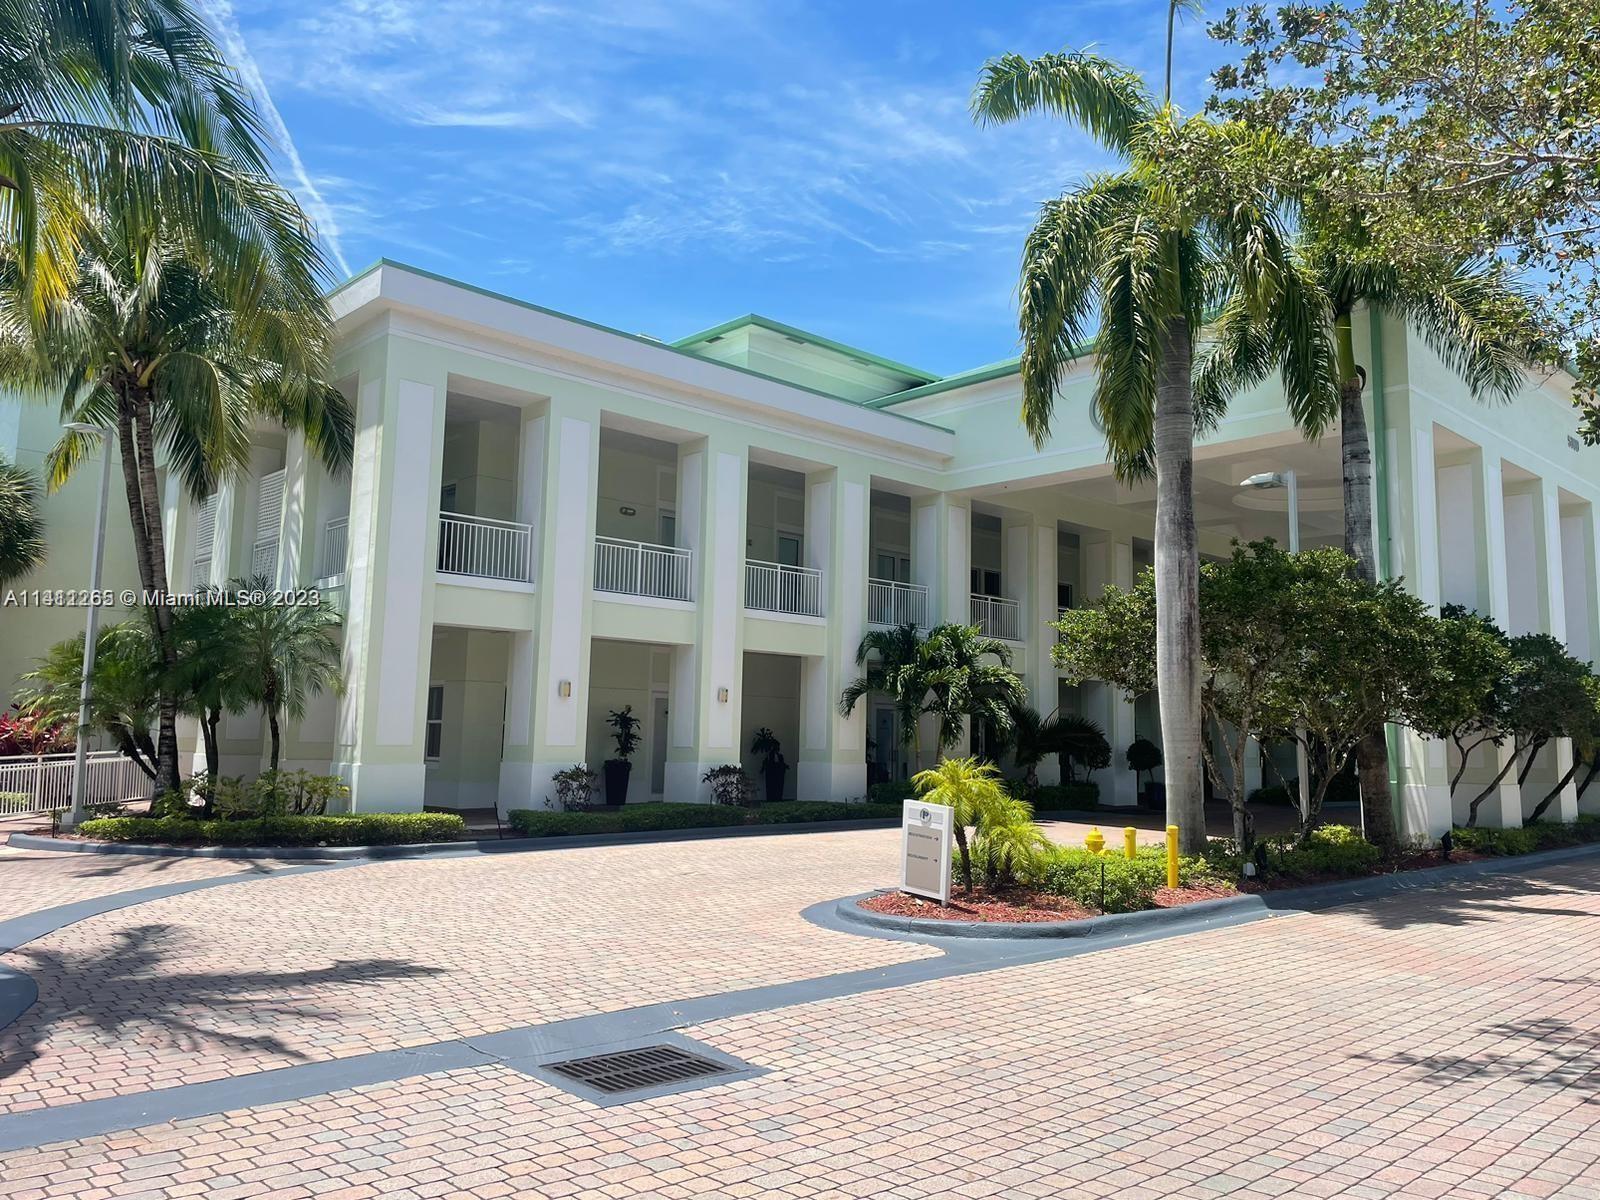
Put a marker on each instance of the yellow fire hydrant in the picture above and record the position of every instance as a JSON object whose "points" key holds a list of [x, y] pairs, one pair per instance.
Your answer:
{"points": [[1130, 842], [1096, 841]]}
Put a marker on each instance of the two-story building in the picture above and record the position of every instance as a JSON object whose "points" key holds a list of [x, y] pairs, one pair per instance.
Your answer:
{"points": [[548, 520]]}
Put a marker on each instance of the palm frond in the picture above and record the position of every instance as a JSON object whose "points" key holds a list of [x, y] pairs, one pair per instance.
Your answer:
{"points": [[1104, 97]]}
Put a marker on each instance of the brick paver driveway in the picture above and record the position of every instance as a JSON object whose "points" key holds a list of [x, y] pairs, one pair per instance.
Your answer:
{"points": [[1436, 1043]]}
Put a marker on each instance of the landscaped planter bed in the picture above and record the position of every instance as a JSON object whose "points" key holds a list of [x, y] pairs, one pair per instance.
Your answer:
{"points": [[359, 829], [644, 818], [1022, 905]]}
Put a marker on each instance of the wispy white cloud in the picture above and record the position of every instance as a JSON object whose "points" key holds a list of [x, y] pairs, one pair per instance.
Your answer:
{"points": [[221, 18]]}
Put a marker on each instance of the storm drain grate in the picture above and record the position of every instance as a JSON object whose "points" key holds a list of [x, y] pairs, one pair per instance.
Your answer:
{"points": [[635, 1070]]}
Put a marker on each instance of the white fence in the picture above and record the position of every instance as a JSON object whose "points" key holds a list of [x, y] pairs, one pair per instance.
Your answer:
{"points": [[997, 617], [891, 603], [776, 587], [44, 783], [484, 548], [335, 548], [641, 569]]}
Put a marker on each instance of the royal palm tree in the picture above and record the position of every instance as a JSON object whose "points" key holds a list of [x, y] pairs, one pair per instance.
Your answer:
{"points": [[131, 101], [22, 544], [181, 354], [1146, 260], [283, 655]]}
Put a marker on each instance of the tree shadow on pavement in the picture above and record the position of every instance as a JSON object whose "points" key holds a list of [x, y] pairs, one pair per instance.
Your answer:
{"points": [[125, 992], [116, 864], [1539, 1052], [1467, 901]]}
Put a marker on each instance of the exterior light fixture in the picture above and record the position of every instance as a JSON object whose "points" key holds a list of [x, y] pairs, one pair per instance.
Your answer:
{"points": [[628, 510], [722, 695], [564, 689]]}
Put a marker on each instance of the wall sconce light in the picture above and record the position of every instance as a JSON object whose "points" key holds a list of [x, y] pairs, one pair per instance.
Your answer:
{"points": [[628, 510], [722, 695], [564, 689]]}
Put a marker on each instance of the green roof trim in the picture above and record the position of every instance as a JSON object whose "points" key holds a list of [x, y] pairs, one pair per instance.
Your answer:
{"points": [[669, 347], [814, 339], [999, 370]]}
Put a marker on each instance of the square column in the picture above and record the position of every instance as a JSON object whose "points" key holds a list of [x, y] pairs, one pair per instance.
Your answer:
{"points": [[1503, 809], [547, 679], [297, 532], [1038, 610], [1108, 560], [833, 748], [1564, 808], [704, 727], [941, 556], [394, 537]]}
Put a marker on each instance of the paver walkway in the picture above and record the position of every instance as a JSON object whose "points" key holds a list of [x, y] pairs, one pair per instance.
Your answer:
{"points": [[1436, 1043]]}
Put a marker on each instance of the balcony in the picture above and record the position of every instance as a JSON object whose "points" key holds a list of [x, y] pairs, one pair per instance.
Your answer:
{"points": [[264, 561], [631, 568], [778, 588], [891, 603], [335, 549], [997, 617], [483, 548]]}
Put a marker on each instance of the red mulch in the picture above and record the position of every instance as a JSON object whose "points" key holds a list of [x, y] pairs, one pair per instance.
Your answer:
{"points": [[1414, 861], [1173, 897], [1013, 904]]}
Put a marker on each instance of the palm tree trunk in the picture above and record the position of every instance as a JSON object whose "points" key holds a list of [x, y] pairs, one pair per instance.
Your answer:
{"points": [[1372, 753], [1178, 587], [272, 726]]}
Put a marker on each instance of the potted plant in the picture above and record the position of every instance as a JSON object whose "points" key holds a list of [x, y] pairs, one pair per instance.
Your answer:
{"points": [[729, 784], [625, 732], [773, 768]]}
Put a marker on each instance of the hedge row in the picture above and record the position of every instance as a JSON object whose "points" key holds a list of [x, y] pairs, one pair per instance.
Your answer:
{"points": [[359, 829], [641, 818], [1545, 835], [1057, 797]]}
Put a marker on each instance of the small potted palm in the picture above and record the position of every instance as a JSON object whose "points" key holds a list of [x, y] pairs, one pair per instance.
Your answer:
{"points": [[625, 732], [773, 768]]}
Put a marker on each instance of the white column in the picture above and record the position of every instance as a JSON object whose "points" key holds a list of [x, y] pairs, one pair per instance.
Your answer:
{"points": [[1107, 559], [1564, 808], [833, 747], [297, 535], [547, 684], [1503, 809], [1039, 609], [705, 727]]}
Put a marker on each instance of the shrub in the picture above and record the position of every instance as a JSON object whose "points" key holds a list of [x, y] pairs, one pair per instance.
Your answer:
{"points": [[646, 817], [895, 792], [1066, 797], [729, 784], [359, 829], [538, 822], [1130, 884], [1497, 841], [637, 818], [575, 787]]}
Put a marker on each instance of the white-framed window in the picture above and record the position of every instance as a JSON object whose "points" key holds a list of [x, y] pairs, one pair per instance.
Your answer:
{"points": [[789, 549], [433, 739]]}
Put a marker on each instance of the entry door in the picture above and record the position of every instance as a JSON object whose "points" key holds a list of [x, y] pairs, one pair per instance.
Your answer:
{"points": [[658, 745], [886, 745]]}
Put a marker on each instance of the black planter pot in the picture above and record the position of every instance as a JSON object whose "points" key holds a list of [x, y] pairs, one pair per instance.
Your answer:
{"points": [[616, 776], [774, 774]]}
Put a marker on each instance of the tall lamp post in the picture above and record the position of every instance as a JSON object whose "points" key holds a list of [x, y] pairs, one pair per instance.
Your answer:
{"points": [[1289, 481], [91, 629]]}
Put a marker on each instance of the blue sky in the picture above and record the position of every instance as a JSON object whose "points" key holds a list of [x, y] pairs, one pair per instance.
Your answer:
{"points": [[663, 165]]}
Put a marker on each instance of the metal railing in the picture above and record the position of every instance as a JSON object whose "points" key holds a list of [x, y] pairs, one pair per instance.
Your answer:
{"points": [[891, 603], [335, 548], [1061, 612], [641, 569], [997, 617], [776, 587], [264, 560], [43, 783], [485, 548]]}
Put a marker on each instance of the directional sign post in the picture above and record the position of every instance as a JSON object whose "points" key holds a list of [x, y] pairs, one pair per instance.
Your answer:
{"points": [[925, 850]]}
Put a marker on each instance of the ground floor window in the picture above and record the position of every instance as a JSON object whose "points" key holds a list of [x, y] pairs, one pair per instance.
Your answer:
{"points": [[434, 738]]}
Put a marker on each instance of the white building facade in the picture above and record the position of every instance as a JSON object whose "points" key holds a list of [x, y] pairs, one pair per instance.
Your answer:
{"points": [[548, 520]]}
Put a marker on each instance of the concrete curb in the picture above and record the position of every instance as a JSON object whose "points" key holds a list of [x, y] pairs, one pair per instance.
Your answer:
{"points": [[1303, 899], [30, 841]]}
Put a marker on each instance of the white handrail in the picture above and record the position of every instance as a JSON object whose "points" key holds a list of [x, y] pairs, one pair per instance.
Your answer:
{"points": [[43, 783], [264, 560], [997, 617], [642, 569], [485, 548], [778, 587], [335, 547], [892, 603]]}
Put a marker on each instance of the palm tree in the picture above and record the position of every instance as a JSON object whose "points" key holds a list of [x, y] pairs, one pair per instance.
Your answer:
{"points": [[207, 676], [890, 661], [283, 655], [124, 696], [1147, 259], [22, 544], [181, 354], [963, 684], [976, 798], [131, 102]]}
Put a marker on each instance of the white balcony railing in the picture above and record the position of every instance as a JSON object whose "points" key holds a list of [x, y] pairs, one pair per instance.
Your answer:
{"points": [[335, 548], [485, 548], [641, 569], [776, 587], [264, 560], [891, 603], [1060, 613], [997, 617], [43, 783]]}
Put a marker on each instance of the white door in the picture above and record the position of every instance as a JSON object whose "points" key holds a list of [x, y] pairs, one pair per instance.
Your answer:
{"points": [[658, 745]]}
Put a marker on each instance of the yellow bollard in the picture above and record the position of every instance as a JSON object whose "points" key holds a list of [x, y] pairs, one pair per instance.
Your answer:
{"points": [[1096, 841], [1172, 856], [1130, 842]]}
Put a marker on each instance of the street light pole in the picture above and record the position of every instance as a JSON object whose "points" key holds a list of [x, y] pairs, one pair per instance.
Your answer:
{"points": [[91, 629]]}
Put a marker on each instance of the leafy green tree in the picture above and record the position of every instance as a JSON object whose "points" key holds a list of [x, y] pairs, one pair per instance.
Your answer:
{"points": [[284, 655], [1583, 727], [1491, 154], [1143, 757], [181, 354], [1552, 697], [1465, 695], [131, 103], [978, 801], [124, 693], [22, 544], [1146, 260]]}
